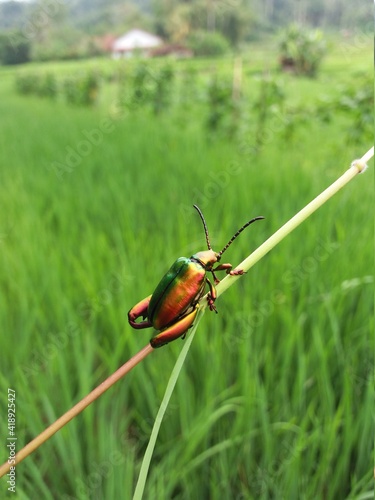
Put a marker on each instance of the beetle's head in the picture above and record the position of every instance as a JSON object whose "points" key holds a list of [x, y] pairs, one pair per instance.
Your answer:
{"points": [[208, 258]]}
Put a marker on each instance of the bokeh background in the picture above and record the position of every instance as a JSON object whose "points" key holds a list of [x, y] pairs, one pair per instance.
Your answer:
{"points": [[245, 108]]}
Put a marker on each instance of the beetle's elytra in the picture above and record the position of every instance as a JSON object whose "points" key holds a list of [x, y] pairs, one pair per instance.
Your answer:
{"points": [[173, 306]]}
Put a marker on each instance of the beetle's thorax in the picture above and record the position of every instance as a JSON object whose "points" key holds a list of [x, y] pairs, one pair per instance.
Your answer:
{"points": [[207, 258]]}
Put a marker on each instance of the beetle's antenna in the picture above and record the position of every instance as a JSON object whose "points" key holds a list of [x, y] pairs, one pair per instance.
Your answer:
{"points": [[204, 225], [239, 232]]}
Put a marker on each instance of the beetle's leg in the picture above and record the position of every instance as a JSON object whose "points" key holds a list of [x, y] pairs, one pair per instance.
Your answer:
{"points": [[217, 281], [175, 331], [221, 267], [236, 272], [211, 296], [139, 309], [228, 269]]}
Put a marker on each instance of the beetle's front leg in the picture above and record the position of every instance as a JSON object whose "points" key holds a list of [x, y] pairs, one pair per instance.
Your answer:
{"points": [[175, 331], [228, 269], [211, 296], [236, 272], [138, 310]]}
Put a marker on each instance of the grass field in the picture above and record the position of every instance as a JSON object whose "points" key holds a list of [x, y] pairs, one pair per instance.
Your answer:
{"points": [[276, 396]]}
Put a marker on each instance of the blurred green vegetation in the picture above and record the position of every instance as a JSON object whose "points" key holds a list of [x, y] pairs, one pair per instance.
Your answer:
{"points": [[276, 397]]}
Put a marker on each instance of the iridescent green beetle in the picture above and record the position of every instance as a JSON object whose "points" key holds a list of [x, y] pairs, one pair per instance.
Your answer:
{"points": [[173, 306]]}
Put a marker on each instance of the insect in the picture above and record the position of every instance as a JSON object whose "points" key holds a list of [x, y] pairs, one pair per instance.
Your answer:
{"points": [[173, 306]]}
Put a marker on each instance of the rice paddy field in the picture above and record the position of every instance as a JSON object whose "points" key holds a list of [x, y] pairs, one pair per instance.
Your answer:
{"points": [[275, 399]]}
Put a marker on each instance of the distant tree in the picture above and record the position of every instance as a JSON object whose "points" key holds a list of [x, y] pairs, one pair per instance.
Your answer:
{"points": [[302, 50], [14, 48], [205, 43], [234, 22], [180, 23], [13, 14], [178, 20], [324, 13]]}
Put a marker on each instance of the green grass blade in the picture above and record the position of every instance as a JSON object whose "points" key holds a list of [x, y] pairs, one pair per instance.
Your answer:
{"points": [[160, 415]]}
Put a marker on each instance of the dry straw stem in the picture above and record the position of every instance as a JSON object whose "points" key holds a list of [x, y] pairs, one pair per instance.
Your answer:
{"points": [[73, 412], [357, 166]]}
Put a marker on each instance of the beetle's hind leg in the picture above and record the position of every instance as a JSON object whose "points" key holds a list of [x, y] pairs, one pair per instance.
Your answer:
{"points": [[138, 310], [176, 330]]}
